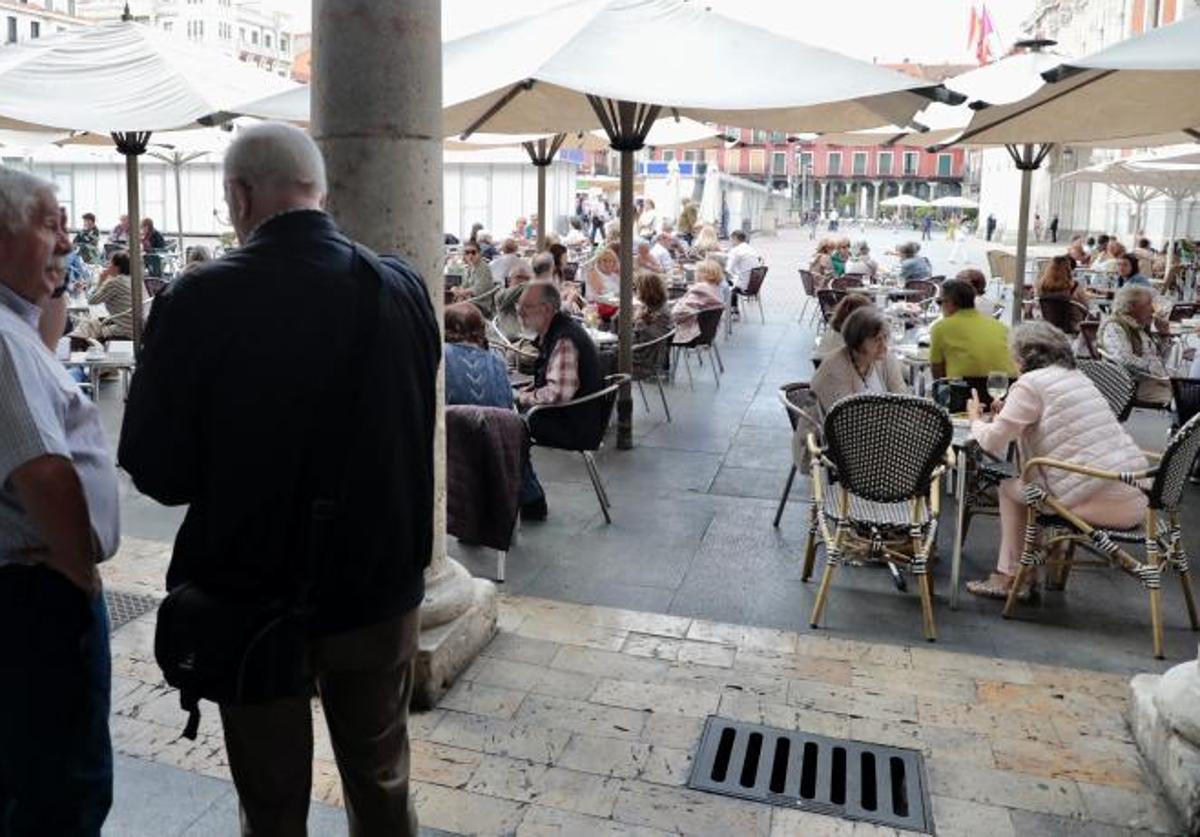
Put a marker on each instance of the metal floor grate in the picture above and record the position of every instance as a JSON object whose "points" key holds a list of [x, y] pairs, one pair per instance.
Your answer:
{"points": [[125, 607], [849, 779]]}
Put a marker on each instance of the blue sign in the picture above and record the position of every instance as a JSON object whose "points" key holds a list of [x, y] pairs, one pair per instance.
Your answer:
{"points": [[663, 168]]}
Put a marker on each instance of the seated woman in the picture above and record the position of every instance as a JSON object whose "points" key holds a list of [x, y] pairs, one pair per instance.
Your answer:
{"points": [[1107, 260], [862, 365], [706, 243], [861, 263], [913, 266], [832, 341], [1053, 410], [1125, 336], [821, 266], [651, 319], [602, 276], [703, 294], [114, 292], [1057, 279], [474, 374], [840, 255], [1078, 254]]}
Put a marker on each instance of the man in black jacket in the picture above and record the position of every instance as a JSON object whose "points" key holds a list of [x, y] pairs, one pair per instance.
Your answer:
{"points": [[225, 415]]}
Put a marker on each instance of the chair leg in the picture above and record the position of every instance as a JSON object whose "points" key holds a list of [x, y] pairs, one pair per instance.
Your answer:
{"points": [[822, 594], [662, 393], [720, 362], [1185, 582], [1156, 622], [716, 375], [761, 315], [810, 548], [687, 364], [594, 475], [501, 557], [1011, 601], [787, 489], [642, 390], [926, 584]]}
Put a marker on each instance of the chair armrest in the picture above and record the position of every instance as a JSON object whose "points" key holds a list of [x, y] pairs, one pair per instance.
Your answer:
{"points": [[614, 382], [1149, 454], [669, 336], [1044, 462]]}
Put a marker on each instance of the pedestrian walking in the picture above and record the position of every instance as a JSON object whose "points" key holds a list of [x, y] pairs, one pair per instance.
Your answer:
{"points": [[991, 226], [1054, 229], [58, 519], [927, 228], [309, 488], [1037, 227]]}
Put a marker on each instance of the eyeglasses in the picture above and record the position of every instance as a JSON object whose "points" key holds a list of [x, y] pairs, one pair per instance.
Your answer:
{"points": [[470, 252]]}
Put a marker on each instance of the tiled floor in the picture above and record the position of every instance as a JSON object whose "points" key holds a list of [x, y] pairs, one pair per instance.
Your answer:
{"points": [[581, 720]]}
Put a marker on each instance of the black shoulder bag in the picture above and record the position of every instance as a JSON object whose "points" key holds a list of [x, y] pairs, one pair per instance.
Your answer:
{"points": [[238, 652]]}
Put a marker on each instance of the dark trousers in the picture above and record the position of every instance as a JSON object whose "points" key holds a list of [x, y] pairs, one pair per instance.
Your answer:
{"points": [[55, 680], [733, 297], [365, 682]]}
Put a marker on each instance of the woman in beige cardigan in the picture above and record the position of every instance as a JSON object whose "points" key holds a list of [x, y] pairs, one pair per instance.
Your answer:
{"points": [[862, 365]]}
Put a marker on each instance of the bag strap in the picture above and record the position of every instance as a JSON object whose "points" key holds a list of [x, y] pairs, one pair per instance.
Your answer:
{"points": [[330, 461]]}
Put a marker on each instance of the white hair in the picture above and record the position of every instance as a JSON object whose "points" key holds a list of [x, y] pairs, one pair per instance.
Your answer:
{"points": [[1129, 295], [274, 155], [19, 194]]}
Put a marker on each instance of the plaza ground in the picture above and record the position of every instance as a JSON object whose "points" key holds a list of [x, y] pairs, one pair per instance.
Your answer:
{"points": [[617, 639]]}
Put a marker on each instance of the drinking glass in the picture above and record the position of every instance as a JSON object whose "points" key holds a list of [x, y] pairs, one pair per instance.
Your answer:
{"points": [[997, 384], [898, 331]]}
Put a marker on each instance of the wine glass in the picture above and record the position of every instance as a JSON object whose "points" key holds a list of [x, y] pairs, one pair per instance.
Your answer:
{"points": [[898, 330], [997, 384]]}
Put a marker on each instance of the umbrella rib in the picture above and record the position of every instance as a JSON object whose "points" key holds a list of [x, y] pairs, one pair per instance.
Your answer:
{"points": [[497, 106], [966, 135]]}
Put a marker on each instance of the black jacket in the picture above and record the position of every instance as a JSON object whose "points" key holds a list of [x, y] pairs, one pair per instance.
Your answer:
{"points": [[237, 356], [573, 428]]}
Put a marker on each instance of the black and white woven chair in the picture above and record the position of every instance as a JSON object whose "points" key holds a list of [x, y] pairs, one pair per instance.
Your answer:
{"points": [[1160, 534], [888, 453], [804, 414], [1115, 384]]}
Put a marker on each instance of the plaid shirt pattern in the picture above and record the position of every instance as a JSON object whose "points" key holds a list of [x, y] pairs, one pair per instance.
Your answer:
{"points": [[562, 377]]}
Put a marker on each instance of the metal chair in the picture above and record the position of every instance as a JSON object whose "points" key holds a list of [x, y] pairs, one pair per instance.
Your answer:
{"points": [[607, 397], [1088, 330], [1181, 311], [927, 289], [1160, 533], [845, 283], [888, 453], [486, 300], [648, 361], [810, 290], [827, 300], [753, 286], [1064, 312], [1115, 384], [709, 321]]}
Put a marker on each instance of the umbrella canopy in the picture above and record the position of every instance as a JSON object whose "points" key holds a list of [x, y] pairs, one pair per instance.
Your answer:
{"points": [[1138, 87], [121, 76], [1010, 79], [955, 202], [710, 199], [666, 132], [904, 200]]}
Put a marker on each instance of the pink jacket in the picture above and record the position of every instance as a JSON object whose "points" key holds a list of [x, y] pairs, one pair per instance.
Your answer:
{"points": [[698, 297]]}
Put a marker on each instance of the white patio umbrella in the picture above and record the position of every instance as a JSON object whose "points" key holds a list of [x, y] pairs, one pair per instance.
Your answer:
{"points": [[584, 65], [710, 197], [127, 80], [955, 202], [904, 200]]}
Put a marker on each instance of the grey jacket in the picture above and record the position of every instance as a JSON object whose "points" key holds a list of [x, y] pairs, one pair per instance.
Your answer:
{"points": [[837, 377]]}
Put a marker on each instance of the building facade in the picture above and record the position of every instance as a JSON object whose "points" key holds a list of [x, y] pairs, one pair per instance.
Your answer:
{"points": [[27, 21], [242, 29]]}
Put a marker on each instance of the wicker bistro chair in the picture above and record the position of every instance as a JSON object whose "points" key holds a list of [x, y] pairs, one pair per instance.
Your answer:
{"points": [[810, 290], [753, 286], [804, 413], [1160, 533], [1114, 382], [653, 354], [888, 453], [706, 341], [587, 447], [927, 289], [1064, 312], [1181, 311], [846, 282]]}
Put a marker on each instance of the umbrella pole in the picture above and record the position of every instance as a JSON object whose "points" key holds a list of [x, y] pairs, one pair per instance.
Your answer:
{"points": [[1171, 239], [177, 164], [541, 153], [1026, 160], [541, 224], [131, 146], [625, 322]]}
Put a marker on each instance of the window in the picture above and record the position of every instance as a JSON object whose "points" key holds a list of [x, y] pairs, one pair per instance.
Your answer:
{"points": [[49, 5], [835, 163], [884, 165], [254, 37], [758, 161], [167, 25], [779, 162], [689, 156], [806, 161], [283, 44], [11, 36], [242, 34], [267, 40], [35, 29], [668, 155], [860, 162], [911, 162], [944, 165], [758, 137], [778, 137]]}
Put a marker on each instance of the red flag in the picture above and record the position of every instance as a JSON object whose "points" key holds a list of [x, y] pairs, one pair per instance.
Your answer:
{"points": [[973, 31], [986, 30]]}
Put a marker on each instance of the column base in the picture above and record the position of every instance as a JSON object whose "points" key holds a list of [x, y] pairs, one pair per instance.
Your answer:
{"points": [[446, 650], [1164, 738]]}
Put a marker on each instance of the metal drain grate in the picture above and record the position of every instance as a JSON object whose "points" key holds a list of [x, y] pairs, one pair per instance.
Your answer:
{"points": [[848, 779], [125, 607]]}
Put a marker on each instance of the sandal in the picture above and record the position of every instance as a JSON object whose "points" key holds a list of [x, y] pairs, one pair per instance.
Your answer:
{"points": [[994, 587]]}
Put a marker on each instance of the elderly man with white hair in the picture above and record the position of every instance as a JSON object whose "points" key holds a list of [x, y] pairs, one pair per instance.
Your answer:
{"points": [[58, 519], [1126, 337], [286, 394]]}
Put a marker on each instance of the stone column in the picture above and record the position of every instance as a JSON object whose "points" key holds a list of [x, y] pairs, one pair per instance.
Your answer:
{"points": [[876, 185], [377, 116], [824, 189], [1165, 716]]}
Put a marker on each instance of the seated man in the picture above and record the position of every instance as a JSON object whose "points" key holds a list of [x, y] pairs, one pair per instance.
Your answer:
{"points": [[115, 293], [477, 281], [661, 251], [568, 367], [507, 319], [1125, 336], [742, 259], [984, 303], [502, 264], [913, 266], [965, 343]]}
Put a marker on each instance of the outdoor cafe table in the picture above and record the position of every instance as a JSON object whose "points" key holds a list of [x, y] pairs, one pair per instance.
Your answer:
{"points": [[97, 364]]}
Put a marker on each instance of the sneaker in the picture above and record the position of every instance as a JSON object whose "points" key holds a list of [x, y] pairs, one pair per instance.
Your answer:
{"points": [[535, 510]]}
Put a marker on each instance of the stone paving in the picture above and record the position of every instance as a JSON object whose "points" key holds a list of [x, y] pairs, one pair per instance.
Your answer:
{"points": [[584, 720]]}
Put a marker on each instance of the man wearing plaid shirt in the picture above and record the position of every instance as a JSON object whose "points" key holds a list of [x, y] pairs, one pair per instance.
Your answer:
{"points": [[568, 367]]}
